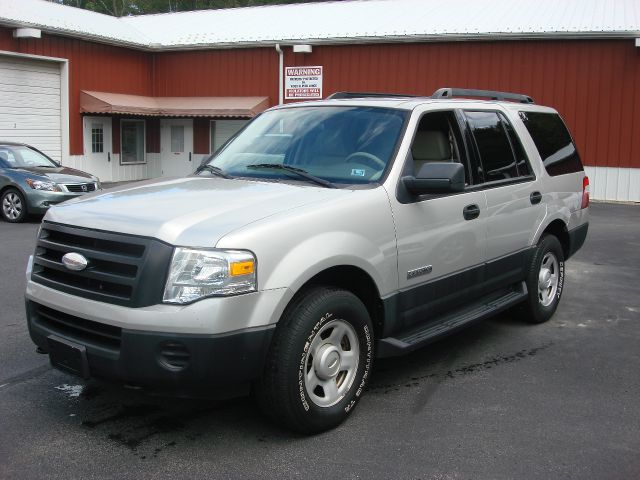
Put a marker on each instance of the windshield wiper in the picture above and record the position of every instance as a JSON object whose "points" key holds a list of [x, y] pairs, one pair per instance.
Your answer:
{"points": [[213, 169], [297, 171]]}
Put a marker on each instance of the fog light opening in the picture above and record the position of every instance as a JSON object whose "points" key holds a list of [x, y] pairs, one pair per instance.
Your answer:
{"points": [[174, 356]]}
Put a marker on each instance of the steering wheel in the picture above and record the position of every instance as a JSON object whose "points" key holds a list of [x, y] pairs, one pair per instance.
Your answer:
{"points": [[367, 156]]}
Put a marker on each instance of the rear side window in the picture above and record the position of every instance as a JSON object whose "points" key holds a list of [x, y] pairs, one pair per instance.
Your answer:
{"points": [[496, 154], [553, 141]]}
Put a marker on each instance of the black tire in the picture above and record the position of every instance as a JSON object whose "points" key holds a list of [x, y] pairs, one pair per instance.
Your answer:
{"points": [[282, 391], [536, 309], [12, 201]]}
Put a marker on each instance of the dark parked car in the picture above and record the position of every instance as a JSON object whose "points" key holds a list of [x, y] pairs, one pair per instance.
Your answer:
{"points": [[30, 182]]}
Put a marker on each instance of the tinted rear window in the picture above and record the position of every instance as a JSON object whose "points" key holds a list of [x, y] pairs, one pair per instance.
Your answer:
{"points": [[553, 141]]}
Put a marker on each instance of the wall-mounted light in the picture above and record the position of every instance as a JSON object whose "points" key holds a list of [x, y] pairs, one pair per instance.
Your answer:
{"points": [[302, 49], [27, 33]]}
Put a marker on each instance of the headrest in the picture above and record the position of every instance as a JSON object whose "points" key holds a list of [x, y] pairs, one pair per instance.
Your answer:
{"points": [[431, 145]]}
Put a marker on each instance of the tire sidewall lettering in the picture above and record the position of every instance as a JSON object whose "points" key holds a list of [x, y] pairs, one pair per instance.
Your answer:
{"points": [[365, 337]]}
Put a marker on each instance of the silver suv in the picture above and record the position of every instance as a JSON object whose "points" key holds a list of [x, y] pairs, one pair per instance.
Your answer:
{"points": [[324, 235]]}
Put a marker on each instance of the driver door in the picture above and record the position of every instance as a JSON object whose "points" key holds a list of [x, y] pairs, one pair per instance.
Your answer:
{"points": [[441, 238]]}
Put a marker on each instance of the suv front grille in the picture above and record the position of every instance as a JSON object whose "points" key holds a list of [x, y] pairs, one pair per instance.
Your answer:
{"points": [[122, 269], [75, 328], [80, 187]]}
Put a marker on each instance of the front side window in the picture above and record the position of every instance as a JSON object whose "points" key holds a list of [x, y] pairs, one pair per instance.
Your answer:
{"points": [[343, 145], [438, 139], [132, 141], [20, 157]]}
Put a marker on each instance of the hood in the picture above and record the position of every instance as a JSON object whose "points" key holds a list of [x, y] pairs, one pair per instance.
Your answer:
{"points": [[188, 211], [59, 174]]}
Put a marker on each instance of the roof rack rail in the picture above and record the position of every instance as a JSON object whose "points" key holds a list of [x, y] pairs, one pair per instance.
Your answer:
{"points": [[343, 95], [469, 92]]}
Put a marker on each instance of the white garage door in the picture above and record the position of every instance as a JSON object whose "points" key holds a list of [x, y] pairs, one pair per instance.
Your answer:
{"points": [[223, 130], [30, 103]]}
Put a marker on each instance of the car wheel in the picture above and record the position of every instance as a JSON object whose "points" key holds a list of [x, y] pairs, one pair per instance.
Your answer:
{"points": [[545, 280], [319, 362], [12, 206]]}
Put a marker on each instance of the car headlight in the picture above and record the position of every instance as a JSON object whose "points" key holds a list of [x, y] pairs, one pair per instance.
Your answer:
{"points": [[195, 274], [42, 185]]}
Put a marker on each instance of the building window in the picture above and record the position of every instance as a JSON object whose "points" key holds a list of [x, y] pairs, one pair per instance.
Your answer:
{"points": [[97, 138], [132, 141], [177, 138]]}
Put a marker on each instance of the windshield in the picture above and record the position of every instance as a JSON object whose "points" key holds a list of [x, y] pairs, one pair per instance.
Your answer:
{"points": [[344, 145], [20, 157]]}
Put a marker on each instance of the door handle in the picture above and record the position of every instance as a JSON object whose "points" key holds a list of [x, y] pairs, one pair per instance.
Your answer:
{"points": [[535, 197], [471, 211], [189, 156], [108, 156]]}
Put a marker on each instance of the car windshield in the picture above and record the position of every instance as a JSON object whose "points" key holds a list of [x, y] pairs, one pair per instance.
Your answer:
{"points": [[20, 157], [322, 145]]}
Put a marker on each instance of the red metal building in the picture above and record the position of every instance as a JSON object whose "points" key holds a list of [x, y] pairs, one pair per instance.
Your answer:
{"points": [[591, 77]]}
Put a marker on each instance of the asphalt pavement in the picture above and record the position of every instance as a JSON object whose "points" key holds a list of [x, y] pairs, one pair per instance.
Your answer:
{"points": [[500, 400]]}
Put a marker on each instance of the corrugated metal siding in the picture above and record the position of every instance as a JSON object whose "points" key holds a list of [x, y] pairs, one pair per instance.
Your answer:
{"points": [[152, 130], [593, 84], [201, 135], [246, 72], [92, 66]]}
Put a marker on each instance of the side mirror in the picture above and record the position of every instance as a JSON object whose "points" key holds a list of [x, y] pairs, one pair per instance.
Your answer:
{"points": [[436, 177]]}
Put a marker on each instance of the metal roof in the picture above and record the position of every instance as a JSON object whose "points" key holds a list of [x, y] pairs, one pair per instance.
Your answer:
{"points": [[110, 103], [337, 22]]}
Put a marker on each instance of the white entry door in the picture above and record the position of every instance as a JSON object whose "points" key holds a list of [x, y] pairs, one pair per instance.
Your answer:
{"points": [[176, 147], [97, 147]]}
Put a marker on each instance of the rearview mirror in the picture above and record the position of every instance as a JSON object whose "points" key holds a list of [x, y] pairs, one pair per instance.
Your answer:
{"points": [[436, 177]]}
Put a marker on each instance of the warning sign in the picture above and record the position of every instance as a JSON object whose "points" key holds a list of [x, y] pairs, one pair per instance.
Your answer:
{"points": [[302, 83]]}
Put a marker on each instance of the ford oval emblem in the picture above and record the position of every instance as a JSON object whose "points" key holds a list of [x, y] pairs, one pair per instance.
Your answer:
{"points": [[74, 261]]}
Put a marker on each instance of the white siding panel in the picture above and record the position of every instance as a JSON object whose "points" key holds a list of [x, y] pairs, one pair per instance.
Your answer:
{"points": [[30, 103], [634, 184], [618, 184]]}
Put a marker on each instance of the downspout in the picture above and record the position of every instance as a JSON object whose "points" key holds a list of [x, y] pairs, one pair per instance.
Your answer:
{"points": [[280, 74]]}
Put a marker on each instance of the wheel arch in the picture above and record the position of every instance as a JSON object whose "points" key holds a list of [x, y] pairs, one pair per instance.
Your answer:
{"points": [[355, 280], [558, 228]]}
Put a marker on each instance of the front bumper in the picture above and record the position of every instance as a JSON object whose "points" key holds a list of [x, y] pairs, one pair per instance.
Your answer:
{"points": [[39, 201], [179, 363]]}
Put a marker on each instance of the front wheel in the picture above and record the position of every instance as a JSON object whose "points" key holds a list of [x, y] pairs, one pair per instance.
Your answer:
{"points": [[319, 362], [12, 206], [545, 280]]}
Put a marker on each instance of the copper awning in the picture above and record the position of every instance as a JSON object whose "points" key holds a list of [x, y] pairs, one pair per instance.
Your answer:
{"points": [[122, 104]]}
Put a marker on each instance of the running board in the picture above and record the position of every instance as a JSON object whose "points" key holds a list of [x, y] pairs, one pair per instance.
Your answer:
{"points": [[449, 323]]}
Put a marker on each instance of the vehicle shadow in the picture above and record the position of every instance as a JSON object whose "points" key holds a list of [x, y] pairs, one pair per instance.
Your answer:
{"points": [[149, 425]]}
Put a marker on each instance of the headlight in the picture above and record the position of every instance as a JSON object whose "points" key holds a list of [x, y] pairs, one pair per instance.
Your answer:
{"points": [[41, 185], [195, 274]]}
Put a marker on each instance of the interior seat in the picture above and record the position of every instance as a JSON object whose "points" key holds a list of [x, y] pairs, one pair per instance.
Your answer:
{"points": [[430, 146]]}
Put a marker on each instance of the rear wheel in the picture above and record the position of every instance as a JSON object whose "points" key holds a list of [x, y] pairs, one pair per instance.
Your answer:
{"points": [[545, 280], [319, 362], [12, 206]]}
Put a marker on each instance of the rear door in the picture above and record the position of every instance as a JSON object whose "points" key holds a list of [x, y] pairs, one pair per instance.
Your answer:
{"points": [[515, 200]]}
